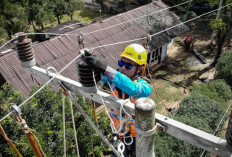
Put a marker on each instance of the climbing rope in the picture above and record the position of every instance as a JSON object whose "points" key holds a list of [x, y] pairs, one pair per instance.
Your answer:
{"points": [[123, 42], [121, 122], [156, 91], [32, 131], [74, 127], [63, 111], [92, 124]]}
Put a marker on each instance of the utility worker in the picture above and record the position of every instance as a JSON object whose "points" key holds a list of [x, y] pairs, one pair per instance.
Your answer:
{"points": [[126, 83]]}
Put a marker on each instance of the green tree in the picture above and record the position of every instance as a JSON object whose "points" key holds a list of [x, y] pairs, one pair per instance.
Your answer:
{"points": [[224, 66], [74, 5], [43, 113], [202, 109], [59, 8], [167, 145], [103, 5], [185, 12], [222, 28], [217, 90], [38, 13], [13, 17]]}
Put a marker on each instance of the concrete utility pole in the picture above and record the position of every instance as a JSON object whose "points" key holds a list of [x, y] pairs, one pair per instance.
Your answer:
{"points": [[145, 121]]}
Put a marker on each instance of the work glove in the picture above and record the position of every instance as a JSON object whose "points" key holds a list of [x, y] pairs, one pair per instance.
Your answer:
{"points": [[95, 62]]}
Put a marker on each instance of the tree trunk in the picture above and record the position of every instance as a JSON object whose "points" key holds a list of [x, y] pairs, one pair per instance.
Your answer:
{"points": [[71, 16], [33, 25], [58, 18], [9, 33], [219, 47], [42, 26]]}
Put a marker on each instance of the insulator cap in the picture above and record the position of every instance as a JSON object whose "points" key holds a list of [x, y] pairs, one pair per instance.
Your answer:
{"points": [[86, 76], [25, 51]]}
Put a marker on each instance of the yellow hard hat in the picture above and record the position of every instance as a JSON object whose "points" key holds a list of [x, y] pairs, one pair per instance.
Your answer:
{"points": [[136, 53]]}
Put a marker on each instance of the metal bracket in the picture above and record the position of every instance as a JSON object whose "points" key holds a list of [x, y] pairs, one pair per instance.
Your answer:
{"points": [[161, 127], [80, 39], [16, 110], [172, 127], [146, 41]]}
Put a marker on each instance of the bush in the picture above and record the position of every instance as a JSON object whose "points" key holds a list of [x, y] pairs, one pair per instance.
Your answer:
{"points": [[202, 106], [217, 90], [224, 66], [167, 145]]}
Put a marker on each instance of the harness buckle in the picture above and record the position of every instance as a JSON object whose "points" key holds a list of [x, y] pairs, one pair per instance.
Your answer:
{"points": [[126, 137]]}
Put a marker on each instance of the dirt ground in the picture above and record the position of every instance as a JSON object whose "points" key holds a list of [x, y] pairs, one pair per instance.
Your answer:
{"points": [[181, 68]]}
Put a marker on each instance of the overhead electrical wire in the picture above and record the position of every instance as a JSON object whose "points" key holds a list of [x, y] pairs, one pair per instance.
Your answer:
{"points": [[162, 30], [24, 102], [137, 18], [62, 69], [107, 46], [116, 24], [8, 42]]}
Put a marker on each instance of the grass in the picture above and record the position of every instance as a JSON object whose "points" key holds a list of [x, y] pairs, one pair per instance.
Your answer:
{"points": [[168, 92], [85, 16]]}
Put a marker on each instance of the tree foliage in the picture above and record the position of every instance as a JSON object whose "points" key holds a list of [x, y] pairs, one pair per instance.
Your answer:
{"points": [[202, 109], [222, 27], [39, 12], [224, 66], [13, 17], [217, 90], [43, 113], [16, 16]]}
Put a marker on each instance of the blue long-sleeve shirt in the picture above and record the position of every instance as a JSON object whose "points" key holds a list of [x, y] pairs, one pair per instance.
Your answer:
{"points": [[137, 89]]}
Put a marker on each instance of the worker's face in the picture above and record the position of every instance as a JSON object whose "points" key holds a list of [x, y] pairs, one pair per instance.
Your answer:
{"points": [[129, 72]]}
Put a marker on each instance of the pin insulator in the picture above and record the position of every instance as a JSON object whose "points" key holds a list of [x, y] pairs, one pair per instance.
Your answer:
{"points": [[25, 51], [86, 76]]}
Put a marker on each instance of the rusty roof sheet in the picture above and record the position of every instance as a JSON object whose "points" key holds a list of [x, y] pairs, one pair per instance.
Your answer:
{"points": [[59, 51], [65, 27]]}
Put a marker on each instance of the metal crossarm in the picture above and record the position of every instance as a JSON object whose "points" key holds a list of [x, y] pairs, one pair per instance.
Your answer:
{"points": [[174, 128]]}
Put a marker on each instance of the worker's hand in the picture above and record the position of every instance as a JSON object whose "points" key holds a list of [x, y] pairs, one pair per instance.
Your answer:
{"points": [[94, 62]]}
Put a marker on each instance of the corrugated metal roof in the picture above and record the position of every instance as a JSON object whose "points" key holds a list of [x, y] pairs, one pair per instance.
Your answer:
{"points": [[59, 51], [65, 27]]}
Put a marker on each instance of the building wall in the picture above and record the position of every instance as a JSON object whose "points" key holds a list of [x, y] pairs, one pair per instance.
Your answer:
{"points": [[157, 56], [164, 52]]}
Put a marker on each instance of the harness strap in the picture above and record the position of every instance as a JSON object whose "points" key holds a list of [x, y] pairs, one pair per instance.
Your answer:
{"points": [[120, 94]]}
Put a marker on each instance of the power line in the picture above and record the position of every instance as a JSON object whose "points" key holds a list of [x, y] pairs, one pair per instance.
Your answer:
{"points": [[137, 18], [110, 45], [42, 86], [116, 24], [160, 31], [8, 42], [58, 34]]}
